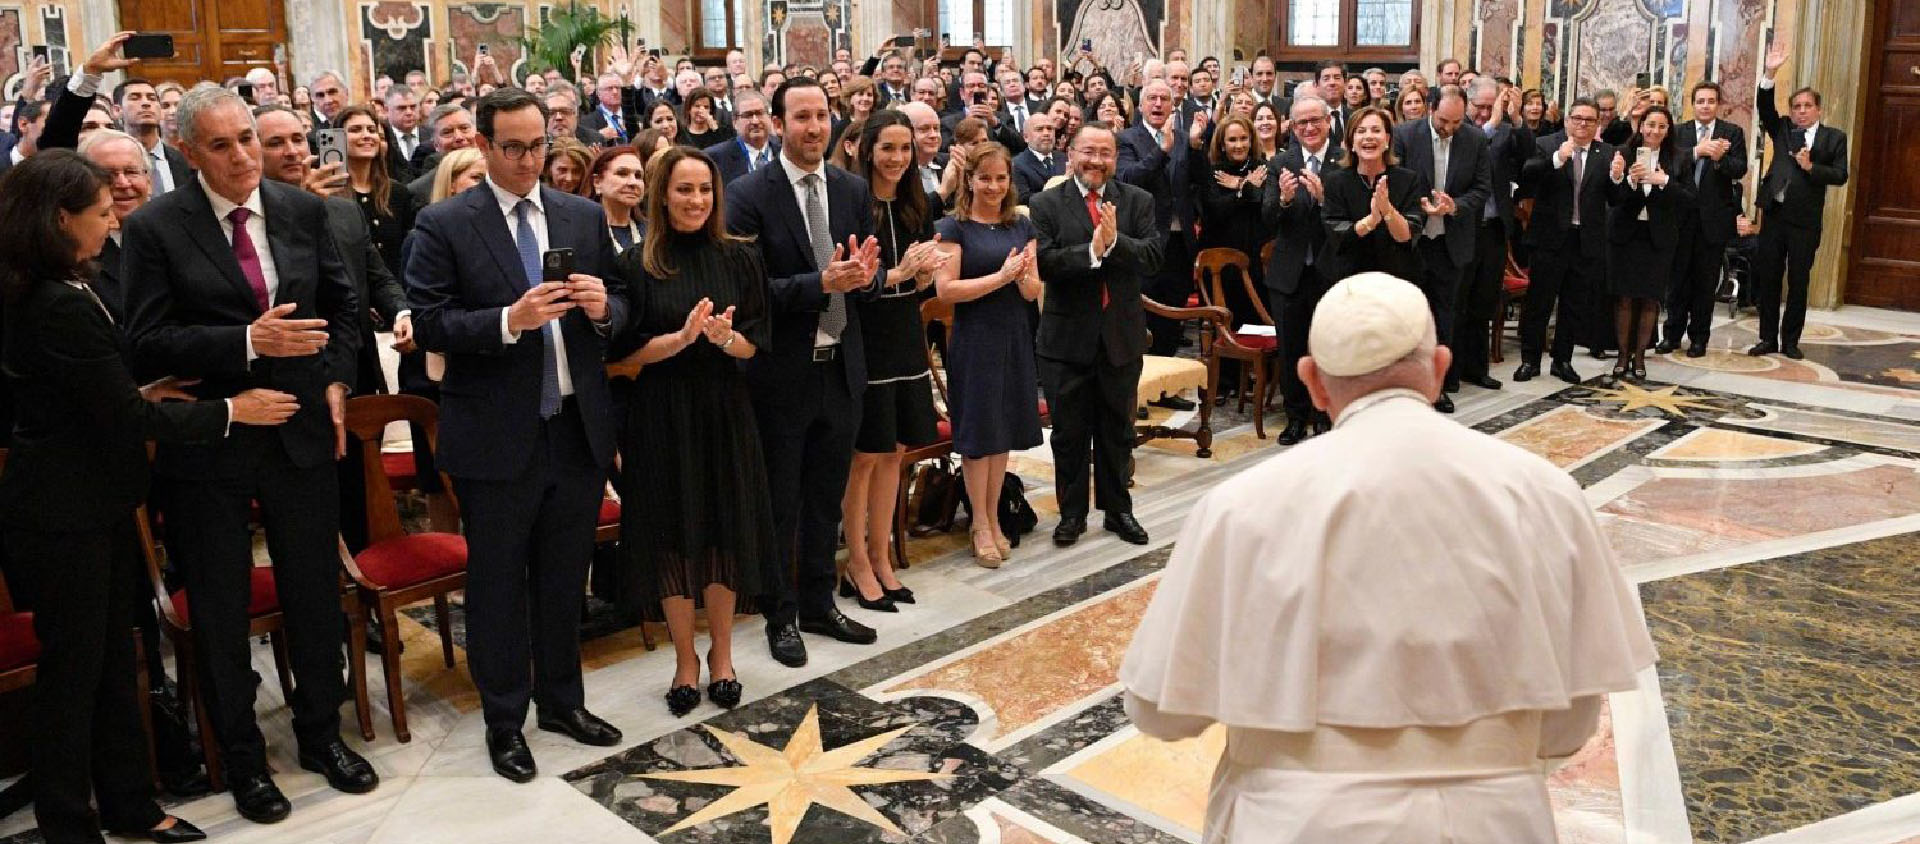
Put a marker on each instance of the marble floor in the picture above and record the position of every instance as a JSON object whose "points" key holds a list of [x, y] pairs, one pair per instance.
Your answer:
{"points": [[1768, 508]]}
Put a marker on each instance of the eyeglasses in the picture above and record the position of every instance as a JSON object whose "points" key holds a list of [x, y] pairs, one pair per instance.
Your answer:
{"points": [[515, 150], [1574, 118]]}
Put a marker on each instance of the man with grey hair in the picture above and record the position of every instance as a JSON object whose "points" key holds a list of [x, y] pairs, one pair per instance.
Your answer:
{"points": [[452, 127], [1156, 157], [266, 86], [407, 149], [1292, 205], [563, 114], [753, 145], [241, 287], [1462, 663], [329, 96], [125, 160]]}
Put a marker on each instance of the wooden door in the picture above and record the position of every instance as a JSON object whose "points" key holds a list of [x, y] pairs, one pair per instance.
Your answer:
{"points": [[1884, 263], [213, 39]]}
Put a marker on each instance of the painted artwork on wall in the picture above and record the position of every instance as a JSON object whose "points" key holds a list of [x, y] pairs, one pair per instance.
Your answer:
{"points": [[13, 52], [1496, 36], [1120, 30], [497, 25], [393, 38], [806, 32]]}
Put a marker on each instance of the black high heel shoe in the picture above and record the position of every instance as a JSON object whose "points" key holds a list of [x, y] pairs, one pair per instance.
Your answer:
{"points": [[884, 603], [682, 699], [902, 595], [724, 693], [1640, 370], [179, 833]]}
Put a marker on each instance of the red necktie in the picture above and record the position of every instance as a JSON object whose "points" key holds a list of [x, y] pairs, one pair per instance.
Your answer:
{"points": [[249, 259], [1093, 214]]}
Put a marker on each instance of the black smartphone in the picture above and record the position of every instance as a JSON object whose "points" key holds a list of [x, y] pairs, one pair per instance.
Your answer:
{"points": [[904, 42], [1086, 44], [655, 52], [556, 265], [1643, 80], [245, 90], [482, 49], [43, 53], [979, 98], [148, 45]]}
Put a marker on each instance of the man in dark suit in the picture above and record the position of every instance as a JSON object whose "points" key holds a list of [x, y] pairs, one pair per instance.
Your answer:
{"points": [[1100, 241], [1155, 157], [974, 86], [1039, 163], [1495, 115], [452, 128], [240, 286], [526, 418], [139, 105], [752, 145], [1292, 205], [1567, 240], [607, 121], [405, 139], [813, 224], [1462, 175], [125, 161], [1720, 153], [1808, 158], [1330, 77]]}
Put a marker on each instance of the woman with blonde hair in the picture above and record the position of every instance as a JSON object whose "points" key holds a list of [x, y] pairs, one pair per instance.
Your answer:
{"points": [[1409, 104], [458, 170]]}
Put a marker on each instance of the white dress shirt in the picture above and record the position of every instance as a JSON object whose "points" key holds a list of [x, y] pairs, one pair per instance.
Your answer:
{"points": [[257, 232], [795, 175], [538, 219]]}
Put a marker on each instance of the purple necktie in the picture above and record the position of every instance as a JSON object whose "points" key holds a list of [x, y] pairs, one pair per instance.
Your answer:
{"points": [[249, 259]]}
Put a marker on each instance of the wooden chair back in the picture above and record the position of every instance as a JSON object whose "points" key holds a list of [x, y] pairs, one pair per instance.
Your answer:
{"points": [[1209, 274], [936, 312], [367, 419]]}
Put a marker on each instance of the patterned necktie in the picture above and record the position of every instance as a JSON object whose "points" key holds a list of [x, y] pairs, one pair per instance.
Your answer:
{"points": [[162, 174], [834, 320], [1704, 133], [529, 244], [1442, 148], [249, 259], [1579, 175], [1093, 215]]}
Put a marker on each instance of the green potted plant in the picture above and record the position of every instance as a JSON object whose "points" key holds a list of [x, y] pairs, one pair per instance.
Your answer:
{"points": [[569, 28]]}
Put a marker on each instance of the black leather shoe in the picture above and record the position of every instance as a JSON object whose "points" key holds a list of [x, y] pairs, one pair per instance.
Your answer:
{"points": [[1445, 404], [258, 799], [1764, 347], [581, 726], [179, 833], [1484, 382], [1666, 347], [785, 643], [1295, 431], [1126, 527], [837, 625], [1793, 352], [682, 699], [1526, 372], [1322, 423], [511, 756], [902, 595], [1697, 350], [1564, 371], [345, 770], [1173, 403], [1068, 530], [724, 693], [1600, 354]]}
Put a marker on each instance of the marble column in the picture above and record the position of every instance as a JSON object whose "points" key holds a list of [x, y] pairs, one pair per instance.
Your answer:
{"points": [[1212, 31], [318, 29], [1436, 31], [1828, 51], [872, 23], [99, 20]]}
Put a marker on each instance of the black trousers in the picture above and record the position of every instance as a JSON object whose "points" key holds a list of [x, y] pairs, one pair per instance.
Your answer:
{"points": [[1477, 301], [806, 439], [1440, 280], [1562, 281], [1171, 286], [1696, 275], [1784, 249], [1294, 313], [1092, 407], [88, 743], [529, 540], [210, 538]]}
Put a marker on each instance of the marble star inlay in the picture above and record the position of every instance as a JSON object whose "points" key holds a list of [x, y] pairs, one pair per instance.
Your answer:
{"points": [[790, 780], [1632, 397]]}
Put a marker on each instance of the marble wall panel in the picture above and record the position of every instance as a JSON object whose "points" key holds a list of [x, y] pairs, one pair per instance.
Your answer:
{"points": [[497, 25], [13, 51], [1612, 46], [1253, 27], [1119, 29], [394, 35], [1494, 41], [808, 40]]}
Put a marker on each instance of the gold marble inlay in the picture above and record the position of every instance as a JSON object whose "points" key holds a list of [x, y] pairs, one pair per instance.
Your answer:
{"points": [[1568, 435], [1721, 444], [1169, 779], [1632, 397]]}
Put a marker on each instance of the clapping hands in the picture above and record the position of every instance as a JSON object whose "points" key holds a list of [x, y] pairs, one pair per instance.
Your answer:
{"points": [[852, 267], [1438, 204]]}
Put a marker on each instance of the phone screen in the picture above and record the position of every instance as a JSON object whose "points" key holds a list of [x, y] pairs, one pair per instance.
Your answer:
{"points": [[1086, 44], [979, 98], [41, 51]]}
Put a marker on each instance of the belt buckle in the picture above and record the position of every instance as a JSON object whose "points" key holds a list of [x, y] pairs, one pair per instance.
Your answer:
{"points": [[823, 354]]}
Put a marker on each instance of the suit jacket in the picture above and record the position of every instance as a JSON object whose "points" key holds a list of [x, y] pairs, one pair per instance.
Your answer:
{"points": [[764, 205], [78, 461], [1806, 189], [596, 119], [189, 311], [400, 166], [110, 281], [1030, 176], [1553, 198], [1507, 151], [1001, 133], [373, 283], [1469, 178], [1074, 327], [648, 97], [1299, 226], [1665, 206], [62, 129], [1162, 173], [731, 157], [1716, 186], [462, 270], [1348, 200]]}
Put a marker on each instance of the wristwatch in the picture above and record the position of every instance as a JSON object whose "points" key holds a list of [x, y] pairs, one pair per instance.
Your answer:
{"points": [[731, 336]]}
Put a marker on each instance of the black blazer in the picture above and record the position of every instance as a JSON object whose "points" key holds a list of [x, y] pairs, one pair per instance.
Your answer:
{"points": [[462, 270], [189, 309], [1552, 192], [1163, 174], [1073, 326], [1716, 187], [1469, 178], [730, 156], [1665, 205], [1507, 151], [78, 461], [1231, 218], [1030, 176], [374, 284], [1806, 189], [763, 205], [403, 168], [1298, 227], [110, 281], [596, 119], [1348, 198], [1001, 133]]}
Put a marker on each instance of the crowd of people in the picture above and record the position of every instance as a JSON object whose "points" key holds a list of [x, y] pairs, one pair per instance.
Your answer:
{"points": [[759, 249]]}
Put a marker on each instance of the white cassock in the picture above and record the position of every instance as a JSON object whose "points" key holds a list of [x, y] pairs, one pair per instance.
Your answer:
{"points": [[1397, 622]]}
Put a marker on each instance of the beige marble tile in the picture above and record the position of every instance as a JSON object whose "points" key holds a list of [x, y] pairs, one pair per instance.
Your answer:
{"points": [[1764, 507], [1569, 436], [1167, 779], [1722, 444]]}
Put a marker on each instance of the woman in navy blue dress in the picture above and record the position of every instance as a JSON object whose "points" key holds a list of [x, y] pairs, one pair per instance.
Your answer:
{"points": [[990, 277]]}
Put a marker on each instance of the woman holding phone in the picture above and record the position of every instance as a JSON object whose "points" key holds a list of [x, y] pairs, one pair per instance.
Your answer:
{"points": [[1645, 205]]}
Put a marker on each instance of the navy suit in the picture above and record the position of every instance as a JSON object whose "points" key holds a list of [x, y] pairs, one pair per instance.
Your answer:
{"points": [[1705, 233], [1790, 227], [1468, 180], [1030, 176], [529, 488], [730, 156], [807, 408], [1294, 281], [1164, 175]]}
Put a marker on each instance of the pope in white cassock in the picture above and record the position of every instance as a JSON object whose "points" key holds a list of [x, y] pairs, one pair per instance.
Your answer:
{"points": [[1400, 623]]}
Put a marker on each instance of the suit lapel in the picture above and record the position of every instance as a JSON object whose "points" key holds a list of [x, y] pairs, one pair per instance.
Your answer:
{"points": [[205, 231], [796, 221], [279, 226], [492, 228], [560, 221]]}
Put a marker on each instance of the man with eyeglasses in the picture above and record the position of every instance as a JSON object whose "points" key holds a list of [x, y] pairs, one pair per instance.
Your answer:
{"points": [[894, 87], [1567, 238], [716, 81], [752, 145], [1292, 205], [526, 418]]}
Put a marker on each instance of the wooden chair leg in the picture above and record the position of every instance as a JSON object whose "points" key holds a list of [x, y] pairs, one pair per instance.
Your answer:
{"points": [[390, 663], [357, 664], [900, 520], [443, 618], [282, 662]]}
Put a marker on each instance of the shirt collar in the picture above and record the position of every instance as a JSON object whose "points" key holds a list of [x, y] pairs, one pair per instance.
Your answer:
{"points": [[795, 174], [509, 200], [1322, 154], [222, 207], [1376, 399], [1085, 189]]}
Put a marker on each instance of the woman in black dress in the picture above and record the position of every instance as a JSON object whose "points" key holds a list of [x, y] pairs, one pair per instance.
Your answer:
{"points": [[1645, 204], [1373, 209], [387, 205], [897, 411], [700, 521], [990, 276], [1229, 190], [76, 473], [703, 128]]}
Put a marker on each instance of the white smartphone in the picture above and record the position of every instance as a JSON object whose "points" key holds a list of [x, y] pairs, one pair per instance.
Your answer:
{"points": [[332, 145], [1644, 157]]}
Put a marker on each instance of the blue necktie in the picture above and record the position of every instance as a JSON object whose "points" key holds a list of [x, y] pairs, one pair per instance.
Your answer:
{"points": [[529, 244]]}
